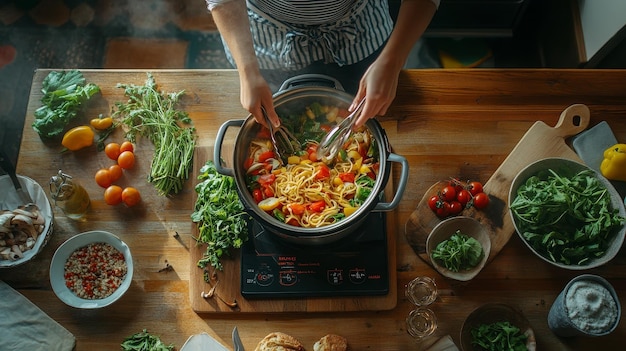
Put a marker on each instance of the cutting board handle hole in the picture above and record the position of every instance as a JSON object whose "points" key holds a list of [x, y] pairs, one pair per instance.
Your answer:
{"points": [[577, 120]]}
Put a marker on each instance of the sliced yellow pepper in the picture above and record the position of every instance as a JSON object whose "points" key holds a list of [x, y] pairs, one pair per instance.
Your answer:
{"points": [[78, 138], [614, 163]]}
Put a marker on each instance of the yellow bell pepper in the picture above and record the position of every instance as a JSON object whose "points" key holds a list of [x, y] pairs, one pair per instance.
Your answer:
{"points": [[614, 163], [78, 138]]}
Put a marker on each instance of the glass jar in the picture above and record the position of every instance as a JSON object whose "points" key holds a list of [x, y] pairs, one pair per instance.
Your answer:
{"points": [[69, 195]]}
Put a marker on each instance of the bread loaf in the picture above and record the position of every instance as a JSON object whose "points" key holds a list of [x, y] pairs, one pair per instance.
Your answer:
{"points": [[278, 341], [331, 342]]}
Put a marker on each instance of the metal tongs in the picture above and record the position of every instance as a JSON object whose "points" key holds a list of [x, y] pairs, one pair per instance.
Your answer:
{"points": [[333, 141], [286, 140]]}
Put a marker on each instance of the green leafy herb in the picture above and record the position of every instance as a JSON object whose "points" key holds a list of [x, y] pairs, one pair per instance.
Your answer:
{"points": [[145, 341], [220, 215], [459, 252], [64, 92], [567, 218], [498, 336], [151, 113]]}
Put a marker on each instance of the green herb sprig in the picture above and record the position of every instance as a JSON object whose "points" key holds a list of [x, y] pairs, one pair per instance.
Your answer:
{"points": [[459, 252], [566, 218], [153, 114], [220, 215]]}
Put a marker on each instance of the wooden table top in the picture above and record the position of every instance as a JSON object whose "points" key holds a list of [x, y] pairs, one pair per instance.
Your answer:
{"points": [[460, 123]]}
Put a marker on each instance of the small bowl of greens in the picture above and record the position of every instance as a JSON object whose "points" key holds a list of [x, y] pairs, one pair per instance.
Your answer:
{"points": [[567, 214], [496, 326], [458, 247]]}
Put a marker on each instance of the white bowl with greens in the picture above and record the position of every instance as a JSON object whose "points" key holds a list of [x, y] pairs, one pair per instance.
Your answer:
{"points": [[567, 214], [458, 247]]}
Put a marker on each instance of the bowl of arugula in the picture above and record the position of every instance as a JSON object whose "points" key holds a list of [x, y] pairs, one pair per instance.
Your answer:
{"points": [[458, 247], [497, 326], [567, 214]]}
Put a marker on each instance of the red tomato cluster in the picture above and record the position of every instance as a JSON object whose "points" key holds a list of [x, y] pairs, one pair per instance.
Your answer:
{"points": [[456, 196]]}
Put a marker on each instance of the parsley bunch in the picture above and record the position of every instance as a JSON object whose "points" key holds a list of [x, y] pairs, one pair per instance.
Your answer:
{"points": [[459, 252], [498, 336]]}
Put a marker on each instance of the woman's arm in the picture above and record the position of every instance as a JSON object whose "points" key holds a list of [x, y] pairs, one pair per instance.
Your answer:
{"points": [[380, 81], [231, 19]]}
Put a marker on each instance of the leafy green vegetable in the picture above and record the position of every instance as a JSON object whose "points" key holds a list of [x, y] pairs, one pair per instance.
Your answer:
{"points": [[459, 252], [64, 92], [220, 215], [499, 336], [145, 341], [151, 113], [567, 218]]}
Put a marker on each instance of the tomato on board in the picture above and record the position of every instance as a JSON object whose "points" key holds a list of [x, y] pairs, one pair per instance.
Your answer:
{"points": [[116, 172], [443, 210], [448, 193], [131, 196], [113, 195], [127, 146], [126, 160], [455, 207], [475, 188], [433, 202], [103, 178], [481, 200], [463, 197], [112, 150]]}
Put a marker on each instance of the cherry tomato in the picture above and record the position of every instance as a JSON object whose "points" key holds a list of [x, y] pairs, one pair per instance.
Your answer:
{"points": [[130, 196], [323, 172], [127, 146], [264, 156], [266, 179], [126, 160], [448, 193], [455, 207], [295, 208], [433, 202], [103, 178], [481, 200], [475, 188], [116, 172], [346, 177], [112, 150], [458, 186], [443, 210], [318, 206], [257, 195], [113, 195], [463, 197], [248, 163]]}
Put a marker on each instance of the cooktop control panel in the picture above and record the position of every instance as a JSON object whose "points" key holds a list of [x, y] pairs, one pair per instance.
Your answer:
{"points": [[357, 265]]}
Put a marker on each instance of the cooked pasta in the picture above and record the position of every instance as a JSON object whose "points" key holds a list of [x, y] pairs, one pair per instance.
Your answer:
{"points": [[307, 192]]}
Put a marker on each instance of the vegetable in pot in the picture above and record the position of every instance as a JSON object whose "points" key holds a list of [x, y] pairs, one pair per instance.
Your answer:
{"points": [[613, 165]]}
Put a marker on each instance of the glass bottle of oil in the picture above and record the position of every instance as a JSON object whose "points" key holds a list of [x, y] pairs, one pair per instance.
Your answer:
{"points": [[69, 195]]}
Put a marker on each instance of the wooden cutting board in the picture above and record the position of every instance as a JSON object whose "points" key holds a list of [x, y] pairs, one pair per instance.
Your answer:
{"points": [[228, 280], [539, 142]]}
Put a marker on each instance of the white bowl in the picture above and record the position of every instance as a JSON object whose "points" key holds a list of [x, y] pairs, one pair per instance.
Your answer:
{"points": [[57, 268], [11, 200], [468, 226], [557, 164]]}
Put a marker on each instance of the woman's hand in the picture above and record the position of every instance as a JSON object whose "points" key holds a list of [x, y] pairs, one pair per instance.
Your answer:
{"points": [[378, 86], [256, 96]]}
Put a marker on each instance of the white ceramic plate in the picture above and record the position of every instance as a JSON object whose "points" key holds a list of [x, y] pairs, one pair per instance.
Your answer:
{"points": [[202, 342], [11, 200], [64, 251]]}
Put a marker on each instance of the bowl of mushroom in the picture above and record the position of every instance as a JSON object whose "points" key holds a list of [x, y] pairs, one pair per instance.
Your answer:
{"points": [[24, 228]]}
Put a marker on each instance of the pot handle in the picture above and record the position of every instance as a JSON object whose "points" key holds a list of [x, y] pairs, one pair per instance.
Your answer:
{"points": [[308, 80], [217, 149], [404, 176]]}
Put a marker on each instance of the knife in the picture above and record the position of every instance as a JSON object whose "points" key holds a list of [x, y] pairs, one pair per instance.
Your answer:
{"points": [[8, 167], [237, 340]]}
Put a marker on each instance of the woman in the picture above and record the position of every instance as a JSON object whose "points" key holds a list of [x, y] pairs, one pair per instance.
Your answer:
{"points": [[354, 41]]}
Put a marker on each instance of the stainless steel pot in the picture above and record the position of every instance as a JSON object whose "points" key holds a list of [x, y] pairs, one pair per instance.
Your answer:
{"points": [[294, 95]]}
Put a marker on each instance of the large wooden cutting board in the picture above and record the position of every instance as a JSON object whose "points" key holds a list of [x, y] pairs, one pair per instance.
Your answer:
{"points": [[539, 142], [228, 286]]}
